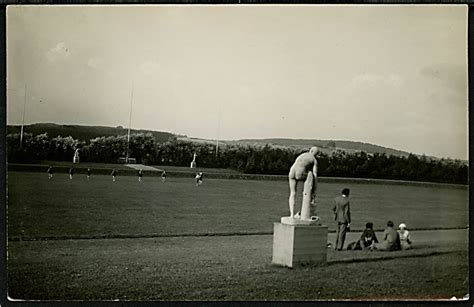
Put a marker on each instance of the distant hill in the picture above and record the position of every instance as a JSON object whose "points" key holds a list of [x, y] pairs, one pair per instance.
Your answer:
{"points": [[330, 145], [85, 133], [325, 146]]}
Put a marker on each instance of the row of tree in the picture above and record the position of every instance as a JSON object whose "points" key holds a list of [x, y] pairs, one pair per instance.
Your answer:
{"points": [[248, 159]]}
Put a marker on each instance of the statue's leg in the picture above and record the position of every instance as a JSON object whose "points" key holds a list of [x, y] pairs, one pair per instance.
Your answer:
{"points": [[315, 187], [292, 198], [307, 197], [313, 195]]}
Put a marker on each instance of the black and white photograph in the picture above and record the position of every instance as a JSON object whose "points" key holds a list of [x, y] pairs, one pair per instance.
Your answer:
{"points": [[237, 152]]}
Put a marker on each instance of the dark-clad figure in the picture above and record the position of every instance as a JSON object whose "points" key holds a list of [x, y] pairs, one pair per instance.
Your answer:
{"points": [[199, 177], [114, 174], [89, 172], [304, 163], [163, 176], [50, 172], [366, 240], [391, 239], [140, 175], [342, 215], [71, 173]]}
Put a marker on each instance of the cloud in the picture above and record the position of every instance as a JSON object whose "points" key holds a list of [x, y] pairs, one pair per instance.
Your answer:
{"points": [[58, 52], [370, 80], [151, 72], [96, 63], [452, 76], [150, 67], [394, 80]]}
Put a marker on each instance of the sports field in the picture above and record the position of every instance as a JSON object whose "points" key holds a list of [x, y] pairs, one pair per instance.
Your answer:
{"points": [[98, 239], [38, 207]]}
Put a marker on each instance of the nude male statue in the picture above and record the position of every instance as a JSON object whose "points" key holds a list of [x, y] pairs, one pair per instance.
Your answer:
{"points": [[75, 159], [304, 164], [193, 163]]}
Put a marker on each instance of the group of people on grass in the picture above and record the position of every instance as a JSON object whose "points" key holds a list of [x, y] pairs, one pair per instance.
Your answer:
{"points": [[199, 175], [114, 174], [392, 239]]}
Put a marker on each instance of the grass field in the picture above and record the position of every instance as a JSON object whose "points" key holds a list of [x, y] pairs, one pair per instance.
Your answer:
{"points": [[38, 207], [135, 263], [232, 268]]}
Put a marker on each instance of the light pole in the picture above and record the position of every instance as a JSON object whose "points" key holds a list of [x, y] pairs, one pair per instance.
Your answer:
{"points": [[129, 124], [23, 119], [218, 129]]}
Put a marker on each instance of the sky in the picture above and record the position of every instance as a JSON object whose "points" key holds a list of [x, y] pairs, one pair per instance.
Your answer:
{"points": [[393, 75]]}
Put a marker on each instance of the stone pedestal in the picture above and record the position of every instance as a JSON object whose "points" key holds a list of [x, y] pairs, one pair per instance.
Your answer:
{"points": [[295, 245]]}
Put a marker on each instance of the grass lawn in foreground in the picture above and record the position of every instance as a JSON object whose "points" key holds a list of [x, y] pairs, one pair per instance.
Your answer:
{"points": [[38, 207], [232, 268]]}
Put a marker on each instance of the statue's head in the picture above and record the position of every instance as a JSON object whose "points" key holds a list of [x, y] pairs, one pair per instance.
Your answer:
{"points": [[313, 150]]}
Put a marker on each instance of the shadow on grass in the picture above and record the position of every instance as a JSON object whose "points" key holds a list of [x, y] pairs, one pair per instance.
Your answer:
{"points": [[395, 255]]}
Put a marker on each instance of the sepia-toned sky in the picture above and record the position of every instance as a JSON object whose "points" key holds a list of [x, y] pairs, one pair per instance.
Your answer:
{"points": [[395, 76]]}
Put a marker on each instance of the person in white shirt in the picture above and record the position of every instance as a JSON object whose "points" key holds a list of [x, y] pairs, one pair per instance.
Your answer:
{"points": [[405, 240]]}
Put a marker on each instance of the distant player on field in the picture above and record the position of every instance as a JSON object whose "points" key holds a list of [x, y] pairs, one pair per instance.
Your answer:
{"points": [[114, 174], [199, 178], [71, 173], [140, 175], [50, 172], [163, 176], [89, 172]]}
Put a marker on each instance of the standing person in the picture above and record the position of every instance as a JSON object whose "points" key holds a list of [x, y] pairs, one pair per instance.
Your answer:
{"points": [[163, 176], [114, 174], [140, 175], [71, 173], [89, 172], [342, 215], [405, 240], [50, 172], [391, 239]]}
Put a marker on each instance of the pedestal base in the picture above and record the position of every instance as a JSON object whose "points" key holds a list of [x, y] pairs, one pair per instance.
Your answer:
{"points": [[295, 245], [292, 221]]}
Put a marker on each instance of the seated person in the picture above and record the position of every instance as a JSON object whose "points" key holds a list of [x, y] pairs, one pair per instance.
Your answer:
{"points": [[367, 238], [391, 239], [404, 234]]}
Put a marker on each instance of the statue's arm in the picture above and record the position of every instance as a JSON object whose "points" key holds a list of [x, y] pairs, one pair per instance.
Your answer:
{"points": [[315, 170], [315, 179]]}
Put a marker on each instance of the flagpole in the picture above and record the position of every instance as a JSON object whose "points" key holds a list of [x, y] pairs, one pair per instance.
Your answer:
{"points": [[218, 130], [23, 118], [129, 123]]}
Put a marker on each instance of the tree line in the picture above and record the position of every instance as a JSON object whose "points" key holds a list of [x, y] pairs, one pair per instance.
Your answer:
{"points": [[251, 159]]}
